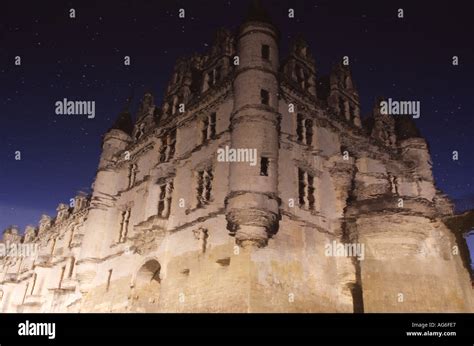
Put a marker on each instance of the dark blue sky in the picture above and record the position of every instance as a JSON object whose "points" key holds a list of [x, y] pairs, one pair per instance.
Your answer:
{"points": [[82, 59]]}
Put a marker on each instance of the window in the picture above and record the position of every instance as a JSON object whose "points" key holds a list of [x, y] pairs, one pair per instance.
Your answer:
{"points": [[53, 246], [264, 97], [212, 77], [132, 175], [164, 201], [63, 269], [172, 144], [304, 129], [265, 52], [204, 187], [71, 237], [163, 148], [342, 107], [108, 280], [306, 190], [301, 76], [308, 131], [208, 128], [140, 131], [71, 267], [351, 115], [125, 219], [168, 146], [34, 283], [175, 105], [264, 162]]}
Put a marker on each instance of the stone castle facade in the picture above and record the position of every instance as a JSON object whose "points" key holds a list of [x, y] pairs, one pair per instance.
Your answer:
{"points": [[170, 228]]}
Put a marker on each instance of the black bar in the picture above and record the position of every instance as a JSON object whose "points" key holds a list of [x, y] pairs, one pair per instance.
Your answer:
{"points": [[229, 329]]}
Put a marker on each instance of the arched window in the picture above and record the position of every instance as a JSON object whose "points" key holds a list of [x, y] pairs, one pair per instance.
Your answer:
{"points": [[146, 291], [148, 273]]}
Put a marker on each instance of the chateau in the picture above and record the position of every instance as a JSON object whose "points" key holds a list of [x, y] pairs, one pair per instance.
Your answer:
{"points": [[169, 227]]}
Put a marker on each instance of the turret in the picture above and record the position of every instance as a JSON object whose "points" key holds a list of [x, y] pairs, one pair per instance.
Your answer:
{"points": [[102, 215], [252, 204]]}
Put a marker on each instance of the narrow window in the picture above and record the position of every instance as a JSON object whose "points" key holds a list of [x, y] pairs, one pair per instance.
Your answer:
{"points": [[308, 126], [172, 145], [204, 187], [164, 202], [161, 201], [24, 295], [53, 246], [168, 146], [212, 126], [310, 180], [342, 108], [108, 280], [264, 97], [132, 175], [34, 283], [208, 131], [140, 132], [301, 187], [63, 269], [205, 127], [351, 112], [265, 52], [71, 267], [124, 225], [163, 148], [299, 127], [264, 166], [304, 130], [306, 190]]}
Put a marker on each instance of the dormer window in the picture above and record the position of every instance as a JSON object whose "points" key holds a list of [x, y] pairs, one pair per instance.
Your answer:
{"points": [[304, 129], [208, 131], [140, 131], [164, 199]]}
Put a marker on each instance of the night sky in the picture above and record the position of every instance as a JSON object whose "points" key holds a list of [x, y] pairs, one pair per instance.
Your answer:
{"points": [[82, 59]]}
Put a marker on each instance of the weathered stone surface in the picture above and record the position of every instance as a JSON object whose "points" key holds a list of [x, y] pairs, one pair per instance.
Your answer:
{"points": [[171, 228]]}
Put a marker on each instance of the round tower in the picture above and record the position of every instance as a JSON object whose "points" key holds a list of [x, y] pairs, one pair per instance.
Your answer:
{"points": [[101, 218], [252, 204]]}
